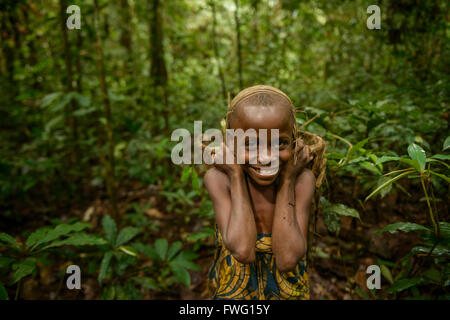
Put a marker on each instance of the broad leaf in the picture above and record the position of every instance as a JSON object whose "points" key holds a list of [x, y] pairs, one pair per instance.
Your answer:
{"points": [[386, 159], [23, 269], [402, 226], [174, 248], [404, 284], [145, 249], [6, 238], [446, 143], [146, 282], [3, 292], [78, 239], [126, 235], [332, 222], [181, 274], [441, 156], [184, 259], [341, 210], [104, 265], [417, 153], [109, 228], [161, 246], [386, 273], [38, 238]]}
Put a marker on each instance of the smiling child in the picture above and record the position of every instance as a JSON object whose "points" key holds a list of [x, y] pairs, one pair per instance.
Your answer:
{"points": [[262, 212]]}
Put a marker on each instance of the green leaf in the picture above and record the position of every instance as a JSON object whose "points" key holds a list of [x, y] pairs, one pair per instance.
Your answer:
{"points": [[146, 282], [23, 269], [341, 210], [3, 292], [386, 273], [108, 293], [161, 246], [362, 294], [126, 235], [332, 221], [437, 251], [49, 99], [104, 265], [403, 284], [109, 228], [446, 143], [412, 163], [386, 184], [386, 159], [146, 249], [445, 229], [441, 156], [195, 181], [46, 235], [433, 274], [186, 173], [181, 274], [370, 167], [402, 226], [184, 259], [417, 153], [174, 248], [6, 238], [78, 239], [5, 262], [129, 250]]}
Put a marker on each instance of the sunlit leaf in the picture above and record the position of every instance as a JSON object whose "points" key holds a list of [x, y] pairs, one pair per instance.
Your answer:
{"points": [[417, 153], [402, 226]]}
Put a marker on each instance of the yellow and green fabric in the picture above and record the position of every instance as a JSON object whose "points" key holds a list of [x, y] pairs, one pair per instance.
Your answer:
{"points": [[260, 280]]}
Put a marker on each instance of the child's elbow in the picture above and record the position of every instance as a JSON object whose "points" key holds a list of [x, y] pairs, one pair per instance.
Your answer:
{"points": [[244, 255], [286, 265]]}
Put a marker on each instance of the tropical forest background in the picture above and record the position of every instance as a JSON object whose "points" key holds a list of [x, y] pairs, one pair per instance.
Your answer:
{"points": [[86, 117]]}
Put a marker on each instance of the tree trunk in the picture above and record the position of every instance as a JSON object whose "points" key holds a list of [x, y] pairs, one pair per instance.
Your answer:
{"points": [[158, 71], [216, 51], [68, 83], [110, 165], [238, 40]]}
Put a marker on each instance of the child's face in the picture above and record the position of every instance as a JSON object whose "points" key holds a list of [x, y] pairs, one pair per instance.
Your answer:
{"points": [[265, 117]]}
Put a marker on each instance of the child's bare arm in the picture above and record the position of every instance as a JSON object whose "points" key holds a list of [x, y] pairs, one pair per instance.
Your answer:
{"points": [[290, 224], [233, 211]]}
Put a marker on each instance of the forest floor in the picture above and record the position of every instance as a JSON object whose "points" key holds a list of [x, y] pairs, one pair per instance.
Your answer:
{"points": [[337, 268]]}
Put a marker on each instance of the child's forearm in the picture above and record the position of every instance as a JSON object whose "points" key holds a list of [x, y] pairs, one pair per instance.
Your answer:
{"points": [[241, 230], [288, 241]]}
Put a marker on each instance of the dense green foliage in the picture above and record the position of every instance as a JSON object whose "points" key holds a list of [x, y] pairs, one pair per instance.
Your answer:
{"points": [[86, 116]]}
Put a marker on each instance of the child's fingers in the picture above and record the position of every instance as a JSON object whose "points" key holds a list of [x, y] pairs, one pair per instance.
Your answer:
{"points": [[299, 146]]}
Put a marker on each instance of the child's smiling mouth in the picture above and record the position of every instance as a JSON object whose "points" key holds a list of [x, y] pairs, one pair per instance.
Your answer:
{"points": [[266, 172]]}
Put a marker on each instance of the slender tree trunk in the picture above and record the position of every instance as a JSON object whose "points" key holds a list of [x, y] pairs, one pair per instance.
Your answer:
{"points": [[110, 165], [216, 51], [238, 40], [68, 83], [158, 70], [255, 5]]}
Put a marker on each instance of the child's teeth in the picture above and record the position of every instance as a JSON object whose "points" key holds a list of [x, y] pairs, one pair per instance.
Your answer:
{"points": [[268, 171]]}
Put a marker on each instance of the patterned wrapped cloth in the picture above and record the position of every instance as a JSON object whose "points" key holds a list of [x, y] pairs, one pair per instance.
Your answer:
{"points": [[260, 280]]}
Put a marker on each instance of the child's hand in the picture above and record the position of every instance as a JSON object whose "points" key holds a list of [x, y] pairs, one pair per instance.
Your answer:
{"points": [[292, 168], [229, 169]]}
